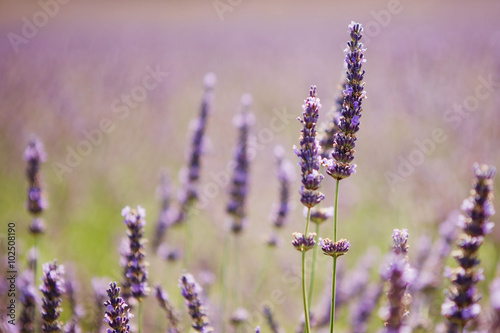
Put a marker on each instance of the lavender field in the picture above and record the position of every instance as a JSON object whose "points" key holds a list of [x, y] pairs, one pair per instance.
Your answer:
{"points": [[186, 112]]}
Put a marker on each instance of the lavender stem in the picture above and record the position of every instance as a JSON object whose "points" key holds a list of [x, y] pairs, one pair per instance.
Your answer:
{"points": [[334, 276], [304, 293]]}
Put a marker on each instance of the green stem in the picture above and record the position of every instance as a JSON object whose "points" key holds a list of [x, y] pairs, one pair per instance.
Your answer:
{"points": [[332, 314], [140, 316], [334, 274], [236, 291], [263, 274], [187, 243], [315, 252], [225, 260], [304, 292]]}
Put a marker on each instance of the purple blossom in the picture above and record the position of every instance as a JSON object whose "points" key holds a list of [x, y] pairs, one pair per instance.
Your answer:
{"points": [[191, 291], [117, 313], [334, 249], [166, 306], [340, 166], [34, 155], [310, 148], [303, 243], [52, 289]]}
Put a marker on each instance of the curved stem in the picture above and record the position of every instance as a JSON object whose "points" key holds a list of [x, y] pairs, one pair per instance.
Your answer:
{"points": [[315, 253], [334, 274]]}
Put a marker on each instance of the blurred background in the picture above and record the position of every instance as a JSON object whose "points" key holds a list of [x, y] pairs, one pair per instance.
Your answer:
{"points": [[66, 67]]}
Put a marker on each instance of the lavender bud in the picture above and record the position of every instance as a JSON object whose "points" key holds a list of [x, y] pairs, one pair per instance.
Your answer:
{"points": [[52, 289], [239, 317], [309, 152], [461, 304], [34, 155], [117, 313], [334, 249], [320, 215], [400, 238], [345, 138], [37, 226], [302, 243], [238, 188], [273, 325], [190, 291], [136, 272], [163, 301]]}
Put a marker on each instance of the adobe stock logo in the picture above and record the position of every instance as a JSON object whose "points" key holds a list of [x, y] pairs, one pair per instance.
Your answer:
{"points": [[31, 27]]}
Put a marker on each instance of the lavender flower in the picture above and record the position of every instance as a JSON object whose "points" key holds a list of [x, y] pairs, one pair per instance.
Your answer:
{"points": [[164, 218], [461, 304], [334, 249], [273, 325], [52, 289], [117, 313], [303, 243], [285, 176], [239, 317], [239, 184], [34, 155], [189, 192], [191, 292], [163, 301], [27, 298], [136, 272], [399, 274], [340, 166], [309, 156]]}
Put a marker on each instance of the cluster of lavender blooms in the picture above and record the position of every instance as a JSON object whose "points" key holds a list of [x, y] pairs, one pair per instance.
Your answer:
{"points": [[238, 189], [136, 274], [340, 166], [461, 304], [117, 313], [52, 289], [35, 155], [166, 306], [188, 194], [282, 209], [27, 298], [191, 291], [399, 274], [308, 153]]}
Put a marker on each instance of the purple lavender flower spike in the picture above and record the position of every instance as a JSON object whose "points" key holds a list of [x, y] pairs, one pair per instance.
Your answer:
{"points": [[340, 166], [399, 274], [136, 273], [271, 322], [461, 303], [191, 291], [308, 153], [52, 289], [27, 299], [164, 302], [285, 176], [117, 313], [191, 175], [238, 189], [35, 155]]}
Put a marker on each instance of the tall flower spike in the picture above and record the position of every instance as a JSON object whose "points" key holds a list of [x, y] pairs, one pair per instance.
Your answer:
{"points": [[308, 153], [400, 275], [345, 139], [163, 301], [191, 175], [238, 189], [136, 272], [191, 291], [285, 176], [461, 304], [117, 313], [52, 289]]}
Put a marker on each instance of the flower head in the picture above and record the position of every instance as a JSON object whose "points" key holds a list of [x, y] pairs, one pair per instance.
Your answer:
{"points": [[34, 155], [52, 289], [303, 243], [308, 153], [117, 313], [191, 291], [334, 249], [320, 215]]}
